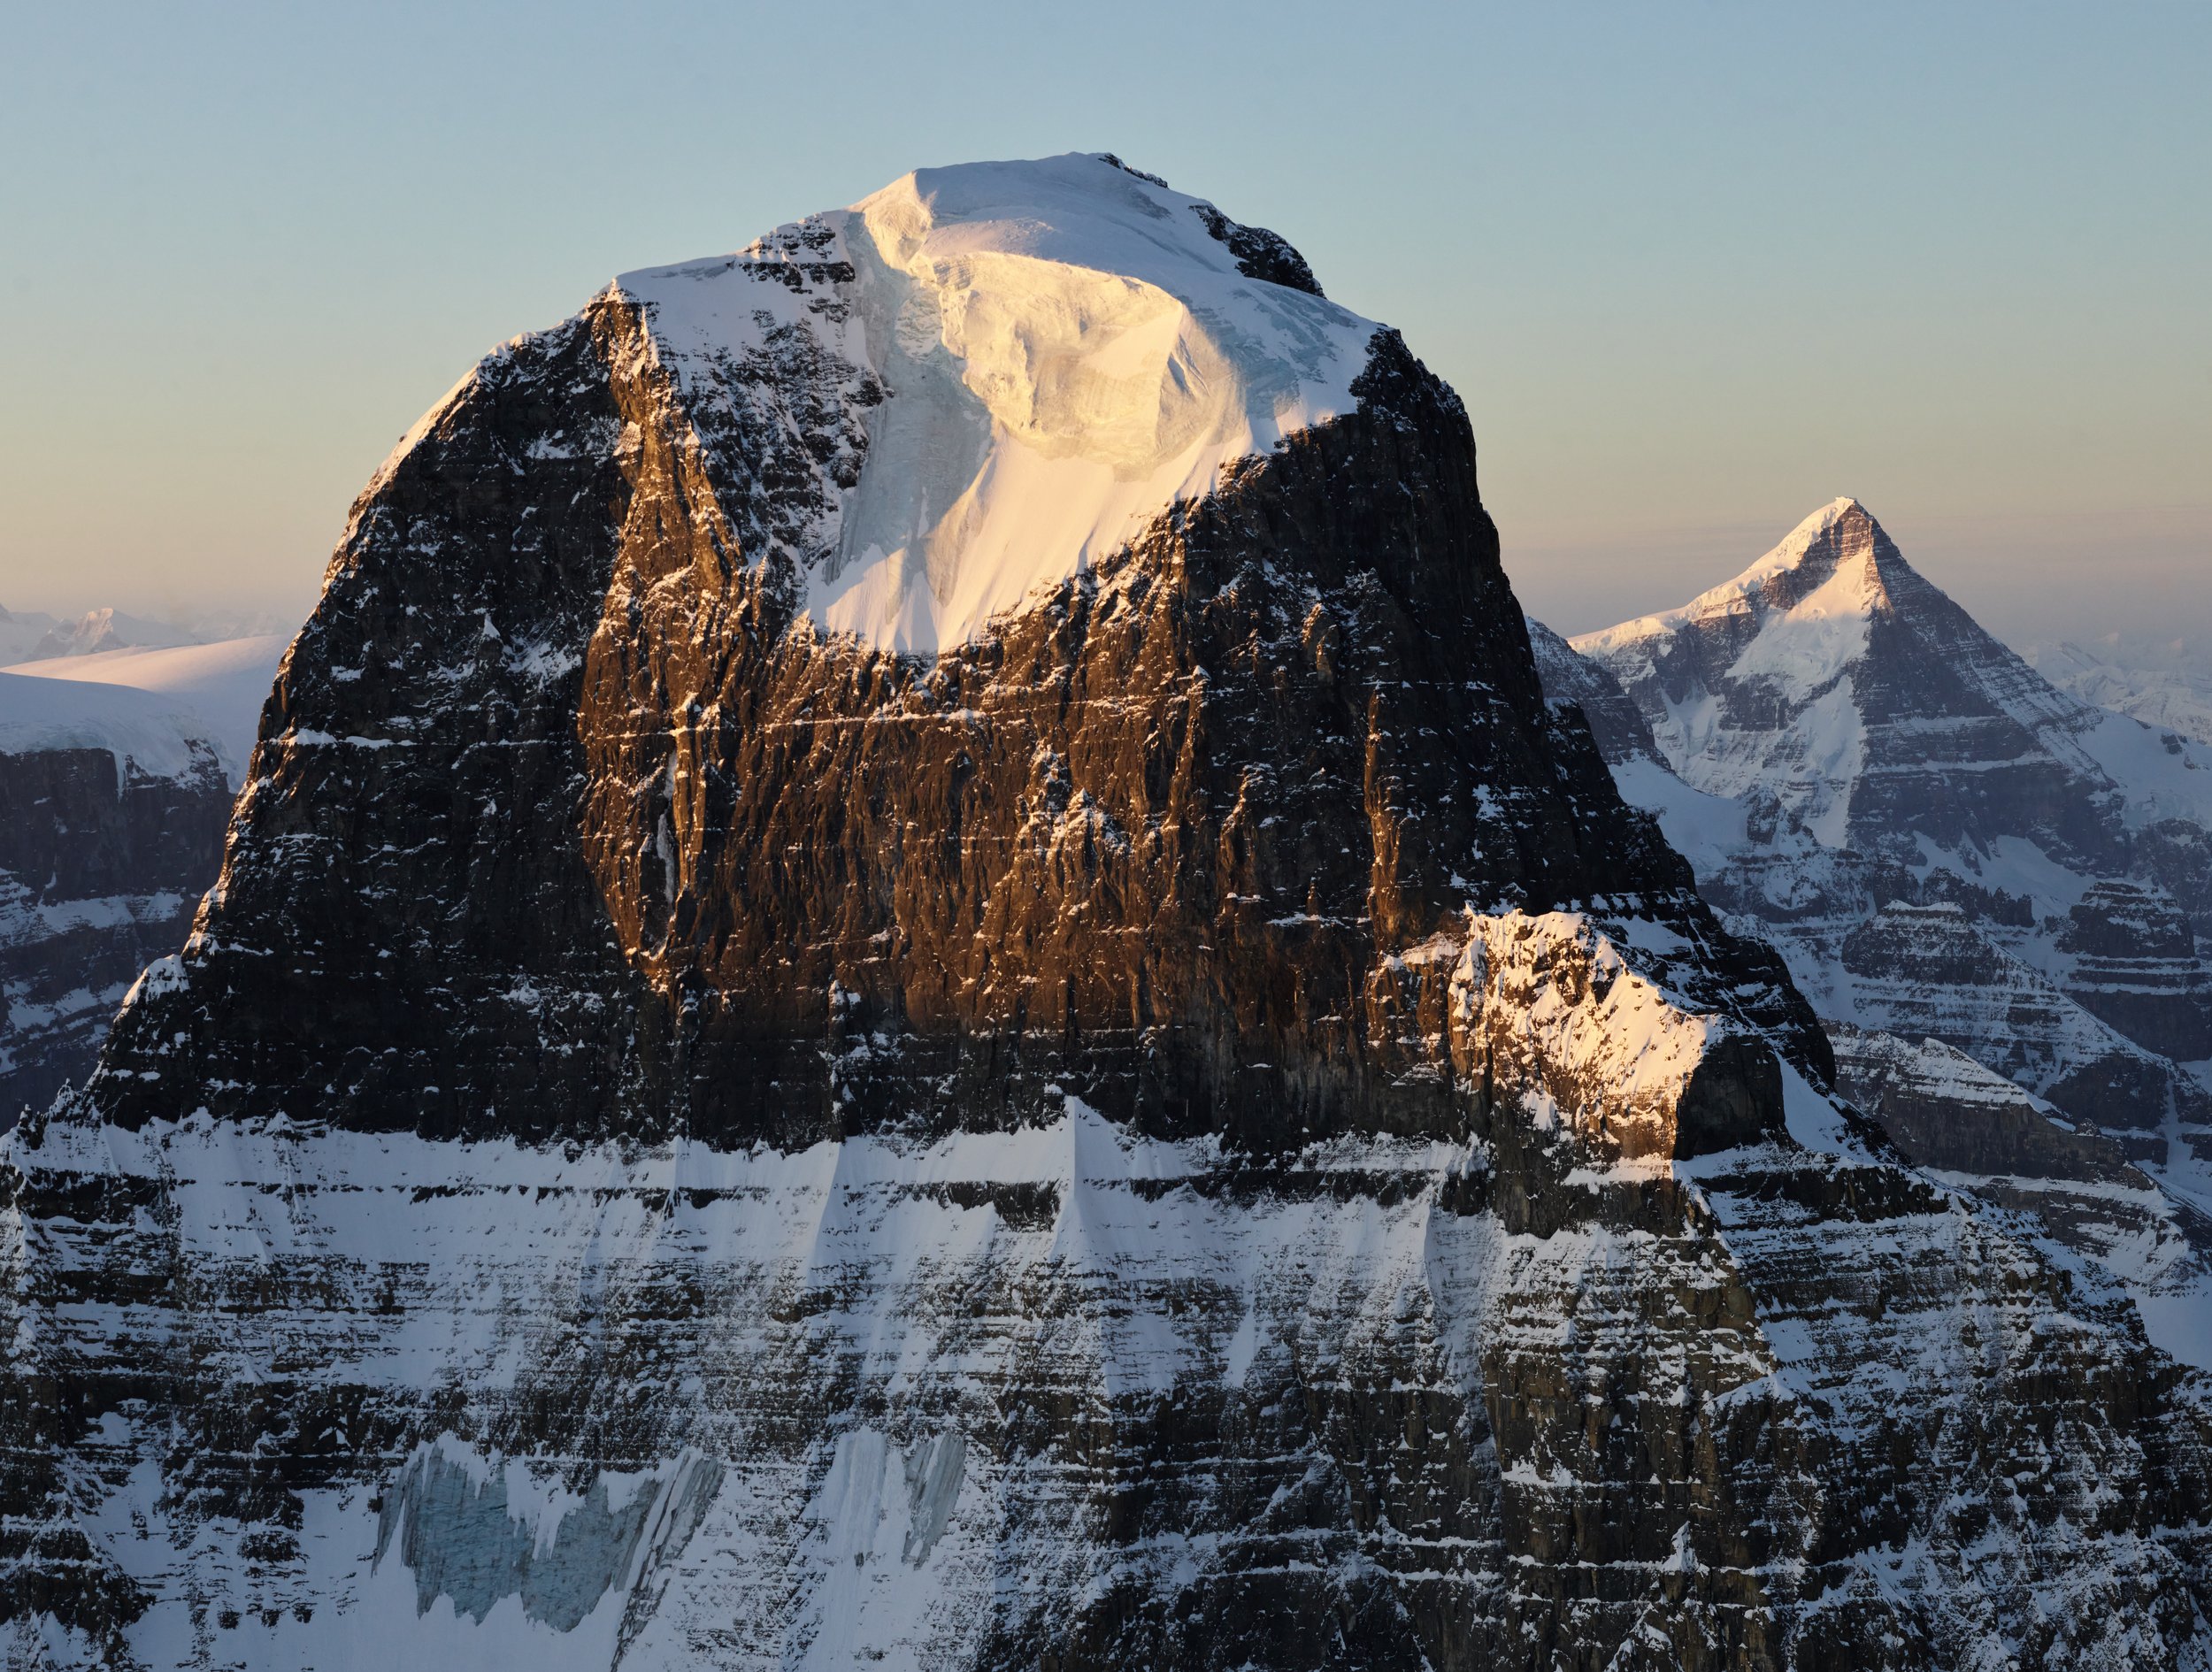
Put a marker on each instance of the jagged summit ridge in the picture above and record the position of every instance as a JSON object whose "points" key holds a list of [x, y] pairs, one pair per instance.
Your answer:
{"points": [[1795, 620], [1025, 362], [1823, 569]]}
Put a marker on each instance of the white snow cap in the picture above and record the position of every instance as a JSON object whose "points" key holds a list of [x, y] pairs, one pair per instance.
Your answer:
{"points": [[1068, 350], [1810, 625]]}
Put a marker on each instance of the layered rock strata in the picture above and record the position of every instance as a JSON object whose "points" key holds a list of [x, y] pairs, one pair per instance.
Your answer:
{"points": [[1192, 1127], [2133, 961]]}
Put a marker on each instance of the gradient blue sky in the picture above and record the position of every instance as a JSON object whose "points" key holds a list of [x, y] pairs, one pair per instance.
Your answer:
{"points": [[1696, 268]]}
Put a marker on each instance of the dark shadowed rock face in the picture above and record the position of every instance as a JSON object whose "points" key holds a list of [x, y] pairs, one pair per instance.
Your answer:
{"points": [[101, 867], [1615, 723], [604, 825], [2135, 963], [1192, 1129], [1946, 1111]]}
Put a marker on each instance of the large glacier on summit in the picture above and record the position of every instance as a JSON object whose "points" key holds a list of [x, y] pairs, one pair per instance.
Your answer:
{"points": [[1046, 355]]}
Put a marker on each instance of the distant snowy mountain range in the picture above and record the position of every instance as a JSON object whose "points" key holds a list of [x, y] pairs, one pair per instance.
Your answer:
{"points": [[34, 636], [2162, 682]]}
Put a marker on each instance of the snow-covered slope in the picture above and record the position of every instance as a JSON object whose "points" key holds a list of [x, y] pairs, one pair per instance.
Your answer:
{"points": [[144, 731], [217, 687], [1038, 359], [1705, 829], [1831, 681], [2166, 684]]}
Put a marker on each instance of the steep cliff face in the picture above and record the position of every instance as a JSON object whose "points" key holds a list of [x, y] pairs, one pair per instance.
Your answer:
{"points": [[2131, 958], [565, 764], [1927, 970], [750, 1095], [1981, 1132]]}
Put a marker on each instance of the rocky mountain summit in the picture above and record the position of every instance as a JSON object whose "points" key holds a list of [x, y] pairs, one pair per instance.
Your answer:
{"points": [[1953, 855], [912, 975]]}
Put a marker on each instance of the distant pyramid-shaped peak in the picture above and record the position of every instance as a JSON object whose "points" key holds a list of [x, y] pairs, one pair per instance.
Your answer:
{"points": [[1831, 563], [1837, 565]]}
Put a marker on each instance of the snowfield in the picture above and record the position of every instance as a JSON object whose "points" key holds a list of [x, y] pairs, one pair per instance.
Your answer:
{"points": [[1066, 350], [143, 728], [213, 690]]}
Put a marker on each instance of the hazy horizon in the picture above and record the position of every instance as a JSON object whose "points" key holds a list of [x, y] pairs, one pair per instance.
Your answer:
{"points": [[1694, 276]]}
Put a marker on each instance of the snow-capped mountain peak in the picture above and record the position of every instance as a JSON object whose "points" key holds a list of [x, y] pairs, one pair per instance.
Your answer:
{"points": [[1834, 677], [1954, 858], [1034, 360], [1835, 544], [1797, 618]]}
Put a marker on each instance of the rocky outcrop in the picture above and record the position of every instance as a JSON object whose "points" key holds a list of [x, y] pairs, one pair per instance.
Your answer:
{"points": [[1192, 1127], [1926, 971], [2133, 962], [1947, 1112], [1983, 1133]]}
